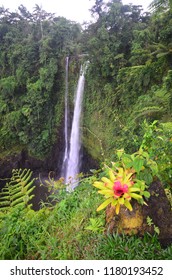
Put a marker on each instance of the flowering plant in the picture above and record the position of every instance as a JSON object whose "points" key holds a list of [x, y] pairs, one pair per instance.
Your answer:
{"points": [[123, 184]]}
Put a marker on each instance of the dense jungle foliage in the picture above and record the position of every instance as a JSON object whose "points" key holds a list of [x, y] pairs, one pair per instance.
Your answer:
{"points": [[32, 54], [127, 104], [128, 80]]}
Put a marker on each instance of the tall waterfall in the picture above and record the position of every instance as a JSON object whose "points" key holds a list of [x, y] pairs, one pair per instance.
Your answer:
{"points": [[73, 157], [66, 123]]}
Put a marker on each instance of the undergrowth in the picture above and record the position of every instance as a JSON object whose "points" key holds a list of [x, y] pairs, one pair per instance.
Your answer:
{"points": [[61, 232]]}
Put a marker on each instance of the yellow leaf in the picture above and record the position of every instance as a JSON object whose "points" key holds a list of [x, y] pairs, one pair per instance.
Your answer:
{"points": [[120, 172], [99, 185], [127, 177], [114, 202], [110, 192], [117, 208], [134, 189], [128, 205], [145, 203], [106, 195], [111, 175], [121, 200], [105, 203], [136, 196], [127, 196], [109, 184]]}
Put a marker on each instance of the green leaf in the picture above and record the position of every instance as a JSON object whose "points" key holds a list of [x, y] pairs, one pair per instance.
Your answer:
{"points": [[153, 166], [127, 160], [120, 153], [146, 176], [146, 194], [138, 164], [149, 221], [156, 229]]}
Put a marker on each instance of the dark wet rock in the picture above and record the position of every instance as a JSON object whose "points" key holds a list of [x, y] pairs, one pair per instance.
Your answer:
{"points": [[19, 160]]}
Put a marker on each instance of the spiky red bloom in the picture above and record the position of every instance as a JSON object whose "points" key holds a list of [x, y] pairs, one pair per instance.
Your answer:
{"points": [[119, 189]]}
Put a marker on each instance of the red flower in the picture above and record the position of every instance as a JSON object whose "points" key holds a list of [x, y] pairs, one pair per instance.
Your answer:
{"points": [[119, 189]]}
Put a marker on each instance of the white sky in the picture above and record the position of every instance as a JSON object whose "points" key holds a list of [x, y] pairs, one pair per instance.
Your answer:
{"points": [[76, 10]]}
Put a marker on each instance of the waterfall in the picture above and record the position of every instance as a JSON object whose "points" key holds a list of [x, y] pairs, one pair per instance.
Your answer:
{"points": [[73, 157], [66, 121]]}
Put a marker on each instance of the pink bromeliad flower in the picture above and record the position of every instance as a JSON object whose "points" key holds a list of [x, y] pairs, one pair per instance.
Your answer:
{"points": [[119, 189]]}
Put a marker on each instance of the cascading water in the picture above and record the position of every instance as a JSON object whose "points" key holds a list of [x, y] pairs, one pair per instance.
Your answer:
{"points": [[73, 160], [66, 123]]}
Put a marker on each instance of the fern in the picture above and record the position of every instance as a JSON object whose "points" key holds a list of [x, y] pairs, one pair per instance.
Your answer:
{"points": [[148, 111], [18, 191]]}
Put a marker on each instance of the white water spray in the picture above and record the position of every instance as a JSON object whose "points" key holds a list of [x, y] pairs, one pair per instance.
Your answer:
{"points": [[73, 161]]}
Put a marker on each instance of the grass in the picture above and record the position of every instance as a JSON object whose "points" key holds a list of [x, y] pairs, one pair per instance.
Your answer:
{"points": [[60, 232]]}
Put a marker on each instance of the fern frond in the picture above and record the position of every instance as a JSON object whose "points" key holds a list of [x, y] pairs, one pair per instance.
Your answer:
{"points": [[148, 111], [18, 191]]}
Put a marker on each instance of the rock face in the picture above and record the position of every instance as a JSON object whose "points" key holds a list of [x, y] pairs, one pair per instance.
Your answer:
{"points": [[23, 160], [19, 160], [136, 221]]}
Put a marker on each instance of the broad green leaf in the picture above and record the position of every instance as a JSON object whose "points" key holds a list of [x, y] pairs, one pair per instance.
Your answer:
{"points": [[146, 194], [138, 164], [127, 160]]}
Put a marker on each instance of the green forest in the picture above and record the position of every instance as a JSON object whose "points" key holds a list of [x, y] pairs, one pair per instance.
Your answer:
{"points": [[126, 133]]}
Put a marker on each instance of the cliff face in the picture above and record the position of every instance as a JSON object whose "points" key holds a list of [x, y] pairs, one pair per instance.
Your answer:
{"points": [[53, 162]]}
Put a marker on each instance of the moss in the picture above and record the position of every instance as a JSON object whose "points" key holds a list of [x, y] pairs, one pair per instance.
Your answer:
{"points": [[10, 152], [132, 222], [127, 222], [93, 147]]}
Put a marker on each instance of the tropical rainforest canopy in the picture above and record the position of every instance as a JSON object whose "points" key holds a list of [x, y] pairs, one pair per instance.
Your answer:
{"points": [[128, 82]]}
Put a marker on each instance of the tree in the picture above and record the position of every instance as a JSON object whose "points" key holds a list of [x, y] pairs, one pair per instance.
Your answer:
{"points": [[109, 38], [161, 4], [33, 47], [97, 9]]}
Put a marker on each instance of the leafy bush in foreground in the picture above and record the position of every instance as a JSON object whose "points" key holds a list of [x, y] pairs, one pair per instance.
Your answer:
{"points": [[59, 232]]}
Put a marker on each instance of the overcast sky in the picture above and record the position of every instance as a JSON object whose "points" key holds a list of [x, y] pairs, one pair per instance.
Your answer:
{"points": [[76, 10]]}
